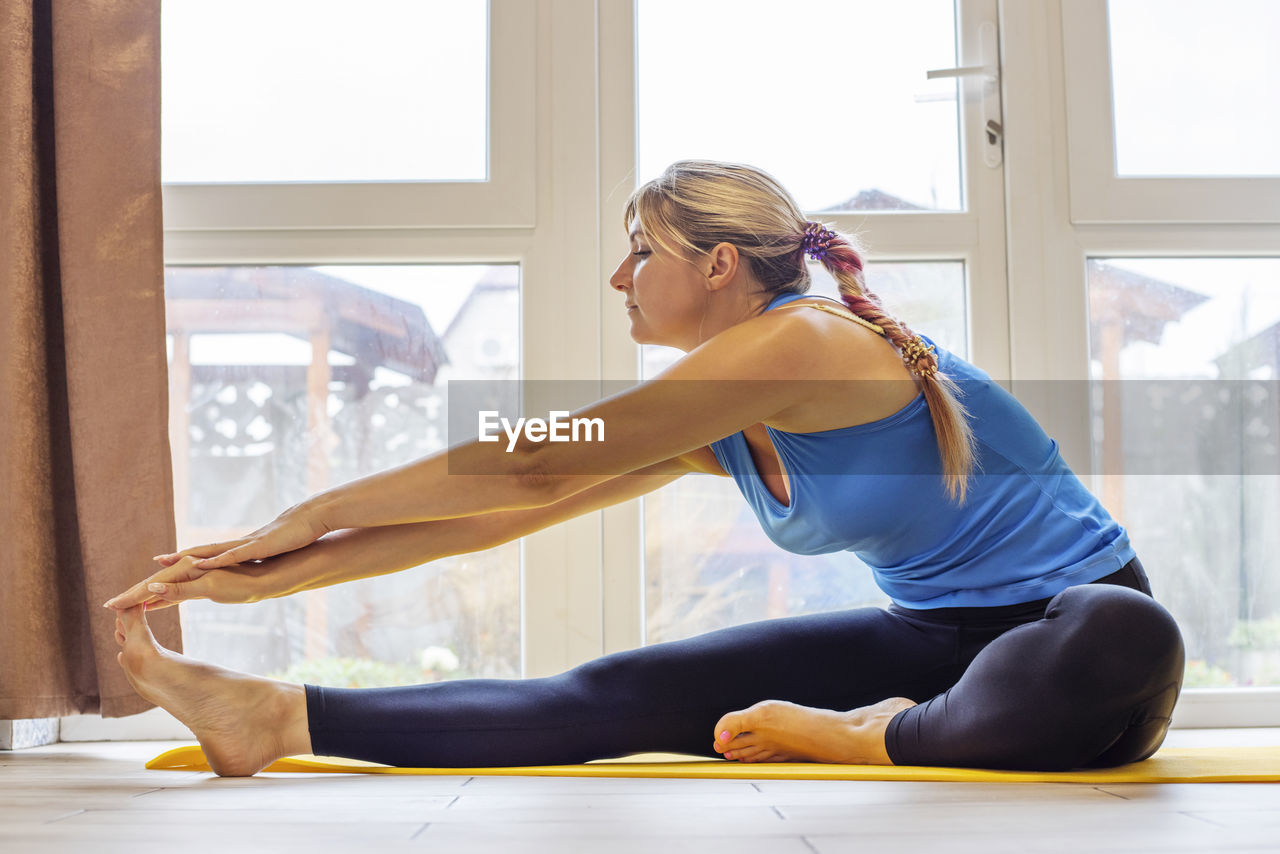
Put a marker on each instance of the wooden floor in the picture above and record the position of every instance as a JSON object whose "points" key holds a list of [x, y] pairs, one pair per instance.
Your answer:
{"points": [[97, 797]]}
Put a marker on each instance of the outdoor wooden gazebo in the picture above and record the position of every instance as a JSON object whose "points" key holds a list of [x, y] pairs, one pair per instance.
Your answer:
{"points": [[371, 328]]}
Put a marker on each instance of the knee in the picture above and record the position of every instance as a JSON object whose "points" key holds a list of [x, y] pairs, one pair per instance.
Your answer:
{"points": [[1123, 626], [1115, 609], [623, 677]]}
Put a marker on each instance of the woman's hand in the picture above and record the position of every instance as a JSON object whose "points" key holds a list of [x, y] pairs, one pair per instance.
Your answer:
{"points": [[183, 580], [294, 528]]}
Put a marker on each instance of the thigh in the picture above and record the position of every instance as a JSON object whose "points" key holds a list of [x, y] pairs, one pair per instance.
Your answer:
{"points": [[1055, 693]]}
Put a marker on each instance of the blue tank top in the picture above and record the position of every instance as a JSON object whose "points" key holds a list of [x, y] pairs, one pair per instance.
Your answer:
{"points": [[1028, 528]]}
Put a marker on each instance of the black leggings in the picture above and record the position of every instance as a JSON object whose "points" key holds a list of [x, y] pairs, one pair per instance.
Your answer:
{"points": [[1087, 678]]}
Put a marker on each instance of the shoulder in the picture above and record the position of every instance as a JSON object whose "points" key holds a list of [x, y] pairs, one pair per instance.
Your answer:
{"points": [[823, 343], [769, 346], [780, 346], [830, 314]]}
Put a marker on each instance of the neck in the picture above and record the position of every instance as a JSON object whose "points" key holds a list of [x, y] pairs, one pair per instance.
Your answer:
{"points": [[724, 310]]}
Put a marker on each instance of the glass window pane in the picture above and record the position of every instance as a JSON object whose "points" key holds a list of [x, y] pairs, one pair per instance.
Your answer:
{"points": [[286, 380], [1204, 336], [1194, 86], [831, 98], [708, 563], [324, 90]]}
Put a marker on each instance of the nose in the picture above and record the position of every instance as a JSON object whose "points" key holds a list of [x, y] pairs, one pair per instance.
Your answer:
{"points": [[621, 278]]}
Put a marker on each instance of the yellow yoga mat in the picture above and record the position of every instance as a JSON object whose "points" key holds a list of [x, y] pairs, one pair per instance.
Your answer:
{"points": [[1170, 765]]}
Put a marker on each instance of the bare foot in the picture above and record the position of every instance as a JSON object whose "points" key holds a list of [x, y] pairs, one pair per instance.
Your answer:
{"points": [[243, 722], [778, 731]]}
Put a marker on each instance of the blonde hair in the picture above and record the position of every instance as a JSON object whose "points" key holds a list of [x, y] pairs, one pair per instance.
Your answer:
{"points": [[695, 204]]}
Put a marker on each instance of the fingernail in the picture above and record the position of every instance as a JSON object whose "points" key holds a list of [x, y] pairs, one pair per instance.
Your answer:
{"points": [[107, 604], [155, 587], [201, 562], [724, 736], [729, 755]]}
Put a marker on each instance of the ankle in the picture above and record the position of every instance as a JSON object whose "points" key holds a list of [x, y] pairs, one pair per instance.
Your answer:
{"points": [[294, 735], [869, 724]]}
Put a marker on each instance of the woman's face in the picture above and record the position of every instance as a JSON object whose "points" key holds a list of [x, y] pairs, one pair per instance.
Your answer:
{"points": [[665, 294]]}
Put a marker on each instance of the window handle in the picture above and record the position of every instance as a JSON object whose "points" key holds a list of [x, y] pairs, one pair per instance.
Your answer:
{"points": [[989, 73], [962, 71]]}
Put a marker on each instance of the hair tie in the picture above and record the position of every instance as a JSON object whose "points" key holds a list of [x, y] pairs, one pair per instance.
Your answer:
{"points": [[816, 240], [914, 351]]}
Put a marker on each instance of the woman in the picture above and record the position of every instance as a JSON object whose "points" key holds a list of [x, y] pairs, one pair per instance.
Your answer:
{"points": [[1021, 634]]}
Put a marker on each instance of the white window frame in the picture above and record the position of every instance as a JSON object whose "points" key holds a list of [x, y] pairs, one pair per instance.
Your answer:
{"points": [[1050, 56], [506, 199], [1098, 194]]}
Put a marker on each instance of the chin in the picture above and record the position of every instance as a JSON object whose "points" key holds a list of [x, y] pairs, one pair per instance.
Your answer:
{"points": [[636, 335]]}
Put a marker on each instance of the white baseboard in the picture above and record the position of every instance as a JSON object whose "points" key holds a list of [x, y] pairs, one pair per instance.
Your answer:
{"points": [[151, 725], [21, 734], [1227, 707]]}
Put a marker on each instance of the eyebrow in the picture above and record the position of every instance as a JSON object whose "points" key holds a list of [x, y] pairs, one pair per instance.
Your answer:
{"points": [[636, 232]]}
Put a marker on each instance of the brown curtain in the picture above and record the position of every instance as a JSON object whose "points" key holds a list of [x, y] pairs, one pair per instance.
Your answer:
{"points": [[85, 479]]}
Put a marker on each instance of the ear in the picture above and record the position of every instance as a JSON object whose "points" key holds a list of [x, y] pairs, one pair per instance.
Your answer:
{"points": [[722, 264]]}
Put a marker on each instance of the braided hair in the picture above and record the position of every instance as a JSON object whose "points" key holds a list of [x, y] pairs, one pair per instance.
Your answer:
{"points": [[955, 438]]}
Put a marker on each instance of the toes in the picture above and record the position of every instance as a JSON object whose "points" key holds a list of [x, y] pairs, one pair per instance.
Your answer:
{"points": [[736, 746], [134, 623], [139, 644], [744, 754], [729, 728], [128, 618], [757, 718], [757, 754]]}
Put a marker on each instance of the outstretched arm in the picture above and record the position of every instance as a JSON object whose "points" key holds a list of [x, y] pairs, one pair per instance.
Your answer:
{"points": [[365, 552], [355, 553], [742, 376]]}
